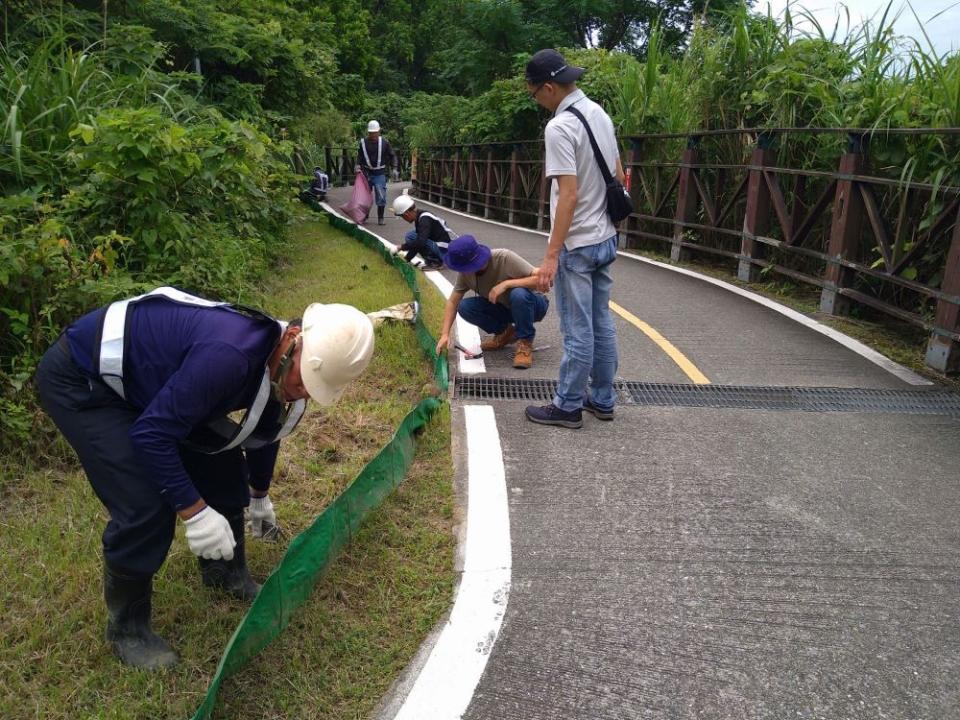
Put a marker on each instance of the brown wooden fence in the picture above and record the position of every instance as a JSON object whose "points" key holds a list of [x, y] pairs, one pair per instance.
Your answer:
{"points": [[853, 225], [339, 162]]}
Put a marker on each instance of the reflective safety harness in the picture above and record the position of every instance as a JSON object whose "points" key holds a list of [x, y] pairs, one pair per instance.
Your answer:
{"points": [[443, 223], [366, 155], [228, 433]]}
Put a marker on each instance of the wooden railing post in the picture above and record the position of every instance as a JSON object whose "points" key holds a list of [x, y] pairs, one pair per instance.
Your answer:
{"points": [[943, 350], [346, 170], [686, 197], [514, 184], [848, 211], [543, 215], [635, 157], [328, 159], [456, 178], [756, 219], [471, 170], [446, 172], [488, 185]]}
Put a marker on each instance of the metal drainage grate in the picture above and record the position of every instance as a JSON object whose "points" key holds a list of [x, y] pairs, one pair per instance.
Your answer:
{"points": [[806, 399], [471, 387]]}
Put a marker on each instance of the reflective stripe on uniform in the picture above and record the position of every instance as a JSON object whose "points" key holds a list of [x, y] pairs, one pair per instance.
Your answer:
{"points": [[443, 224], [366, 155], [111, 366]]}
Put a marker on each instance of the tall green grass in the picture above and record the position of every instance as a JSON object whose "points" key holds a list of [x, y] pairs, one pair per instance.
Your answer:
{"points": [[759, 70]]}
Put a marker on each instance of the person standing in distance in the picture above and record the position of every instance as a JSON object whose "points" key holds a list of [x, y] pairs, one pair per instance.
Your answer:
{"points": [[582, 244], [374, 157]]}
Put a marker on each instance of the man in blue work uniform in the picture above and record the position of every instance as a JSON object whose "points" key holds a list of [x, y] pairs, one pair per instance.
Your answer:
{"points": [[143, 388], [430, 237], [374, 157]]}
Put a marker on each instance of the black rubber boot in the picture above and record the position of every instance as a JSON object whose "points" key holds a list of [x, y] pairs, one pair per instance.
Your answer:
{"points": [[231, 576], [380, 215], [128, 623]]}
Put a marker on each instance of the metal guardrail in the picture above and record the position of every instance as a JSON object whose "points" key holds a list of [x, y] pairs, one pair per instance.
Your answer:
{"points": [[864, 239]]}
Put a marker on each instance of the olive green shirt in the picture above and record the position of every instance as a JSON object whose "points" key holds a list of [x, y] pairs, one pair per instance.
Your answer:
{"points": [[504, 265]]}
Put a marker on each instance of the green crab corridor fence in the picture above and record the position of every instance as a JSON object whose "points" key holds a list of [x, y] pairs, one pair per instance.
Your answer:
{"points": [[309, 554]]}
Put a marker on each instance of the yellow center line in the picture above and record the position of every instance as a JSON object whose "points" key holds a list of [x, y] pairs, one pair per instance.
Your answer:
{"points": [[669, 348]]}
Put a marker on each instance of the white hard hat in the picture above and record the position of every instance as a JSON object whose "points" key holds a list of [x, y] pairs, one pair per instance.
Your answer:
{"points": [[373, 126], [402, 204], [337, 347]]}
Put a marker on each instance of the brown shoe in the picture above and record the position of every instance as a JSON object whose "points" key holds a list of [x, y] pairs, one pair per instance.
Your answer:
{"points": [[500, 340], [523, 355]]}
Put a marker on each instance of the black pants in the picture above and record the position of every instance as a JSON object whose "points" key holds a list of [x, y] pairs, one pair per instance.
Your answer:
{"points": [[96, 422]]}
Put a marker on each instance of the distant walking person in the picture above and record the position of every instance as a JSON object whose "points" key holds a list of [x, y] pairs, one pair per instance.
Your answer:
{"points": [[507, 304], [374, 157], [430, 236], [582, 244]]}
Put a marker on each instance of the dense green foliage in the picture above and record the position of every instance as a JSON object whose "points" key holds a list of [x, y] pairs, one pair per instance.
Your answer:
{"points": [[738, 70], [115, 179]]}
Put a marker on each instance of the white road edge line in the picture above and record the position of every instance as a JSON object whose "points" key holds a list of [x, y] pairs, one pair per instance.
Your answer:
{"points": [[468, 335], [446, 683], [882, 361]]}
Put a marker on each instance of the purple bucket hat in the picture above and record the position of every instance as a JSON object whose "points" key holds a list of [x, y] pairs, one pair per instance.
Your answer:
{"points": [[466, 255]]}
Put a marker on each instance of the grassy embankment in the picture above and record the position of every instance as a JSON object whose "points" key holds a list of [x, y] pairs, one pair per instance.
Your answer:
{"points": [[367, 615]]}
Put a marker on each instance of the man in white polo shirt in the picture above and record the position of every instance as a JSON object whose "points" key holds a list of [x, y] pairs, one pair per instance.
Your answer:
{"points": [[582, 244]]}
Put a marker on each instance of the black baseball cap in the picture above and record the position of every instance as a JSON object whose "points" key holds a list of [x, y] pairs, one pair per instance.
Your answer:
{"points": [[549, 66]]}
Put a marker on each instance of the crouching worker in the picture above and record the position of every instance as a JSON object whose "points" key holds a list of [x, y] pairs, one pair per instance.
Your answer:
{"points": [[142, 389], [320, 184], [430, 237], [506, 304]]}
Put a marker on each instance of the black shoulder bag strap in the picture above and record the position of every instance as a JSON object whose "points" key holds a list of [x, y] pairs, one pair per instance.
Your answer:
{"points": [[604, 170], [619, 204]]}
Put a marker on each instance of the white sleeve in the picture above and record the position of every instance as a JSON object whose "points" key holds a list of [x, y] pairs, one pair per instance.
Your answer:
{"points": [[560, 156]]}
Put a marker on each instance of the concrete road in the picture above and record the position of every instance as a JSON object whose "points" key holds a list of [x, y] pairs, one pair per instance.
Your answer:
{"points": [[716, 563]]}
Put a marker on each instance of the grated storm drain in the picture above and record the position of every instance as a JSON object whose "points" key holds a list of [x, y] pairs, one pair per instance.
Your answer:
{"points": [[807, 399]]}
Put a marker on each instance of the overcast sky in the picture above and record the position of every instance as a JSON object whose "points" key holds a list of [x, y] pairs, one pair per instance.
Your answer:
{"points": [[944, 30]]}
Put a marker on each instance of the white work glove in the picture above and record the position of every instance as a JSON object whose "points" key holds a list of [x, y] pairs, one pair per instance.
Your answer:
{"points": [[262, 517], [209, 535]]}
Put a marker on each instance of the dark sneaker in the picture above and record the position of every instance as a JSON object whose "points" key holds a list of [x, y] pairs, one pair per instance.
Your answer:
{"points": [[598, 413], [433, 265], [552, 415]]}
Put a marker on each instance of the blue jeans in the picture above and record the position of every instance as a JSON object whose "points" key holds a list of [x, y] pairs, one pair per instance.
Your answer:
{"points": [[583, 286], [428, 249], [526, 308], [379, 185]]}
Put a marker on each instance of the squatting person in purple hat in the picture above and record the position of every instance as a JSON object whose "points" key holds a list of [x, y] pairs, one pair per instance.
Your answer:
{"points": [[506, 305], [583, 240]]}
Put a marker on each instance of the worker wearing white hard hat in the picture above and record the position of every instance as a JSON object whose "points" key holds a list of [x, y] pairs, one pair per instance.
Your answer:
{"points": [[430, 236], [146, 389], [374, 156]]}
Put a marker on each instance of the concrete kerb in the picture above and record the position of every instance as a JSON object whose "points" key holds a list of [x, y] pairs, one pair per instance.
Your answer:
{"points": [[483, 560], [868, 353]]}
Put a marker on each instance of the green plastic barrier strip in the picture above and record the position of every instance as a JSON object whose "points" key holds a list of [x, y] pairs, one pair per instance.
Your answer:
{"points": [[309, 554]]}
